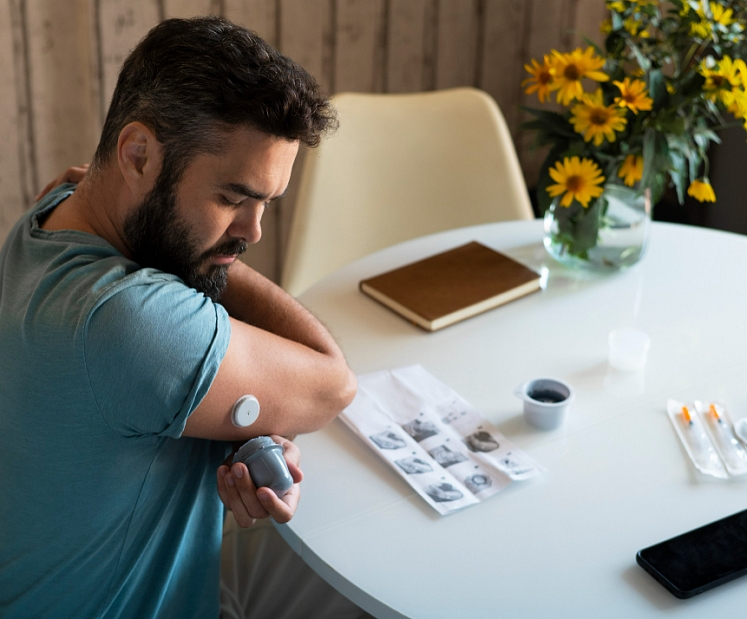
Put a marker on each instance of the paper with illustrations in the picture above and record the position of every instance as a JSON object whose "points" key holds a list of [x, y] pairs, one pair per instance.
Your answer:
{"points": [[445, 449]]}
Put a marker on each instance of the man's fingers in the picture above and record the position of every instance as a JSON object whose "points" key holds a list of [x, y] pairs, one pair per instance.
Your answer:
{"points": [[237, 490], [221, 484], [246, 491], [71, 175], [46, 190], [291, 452], [231, 498], [281, 510], [296, 473]]}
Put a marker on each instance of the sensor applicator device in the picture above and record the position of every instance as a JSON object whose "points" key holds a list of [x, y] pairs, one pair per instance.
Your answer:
{"points": [[267, 467]]}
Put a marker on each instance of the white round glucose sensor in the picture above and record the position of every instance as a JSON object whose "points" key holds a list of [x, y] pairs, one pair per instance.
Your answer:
{"points": [[245, 411]]}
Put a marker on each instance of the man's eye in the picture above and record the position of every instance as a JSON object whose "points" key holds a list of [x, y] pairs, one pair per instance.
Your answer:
{"points": [[228, 202]]}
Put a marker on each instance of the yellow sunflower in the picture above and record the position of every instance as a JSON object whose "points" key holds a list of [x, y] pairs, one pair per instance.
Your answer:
{"points": [[633, 95], [569, 69], [541, 78], [578, 179], [701, 191], [701, 29], [722, 81], [633, 26], [631, 170], [595, 120], [721, 15], [739, 106]]}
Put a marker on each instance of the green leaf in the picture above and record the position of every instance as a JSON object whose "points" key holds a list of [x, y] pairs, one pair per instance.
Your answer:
{"points": [[617, 22], [578, 227], [640, 57], [705, 135], [657, 88], [691, 84], [655, 156], [673, 125], [694, 162], [551, 123], [678, 173]]}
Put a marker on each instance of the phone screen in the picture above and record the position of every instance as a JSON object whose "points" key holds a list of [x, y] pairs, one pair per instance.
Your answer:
{"points": [[700, 559]]}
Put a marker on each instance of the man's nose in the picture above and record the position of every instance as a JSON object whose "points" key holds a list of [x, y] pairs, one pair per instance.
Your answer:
{"points": [[247, 225]]}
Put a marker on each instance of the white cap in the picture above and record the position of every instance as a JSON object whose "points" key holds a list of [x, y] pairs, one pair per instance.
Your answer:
{"points": [[245, 411]]}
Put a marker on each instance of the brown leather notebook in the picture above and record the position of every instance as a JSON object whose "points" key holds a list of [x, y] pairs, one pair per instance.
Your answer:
{"points": [[448, 287]]}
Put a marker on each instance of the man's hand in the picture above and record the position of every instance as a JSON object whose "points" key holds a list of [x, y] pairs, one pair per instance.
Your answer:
{"points": [[248, 503], [71, 175]]}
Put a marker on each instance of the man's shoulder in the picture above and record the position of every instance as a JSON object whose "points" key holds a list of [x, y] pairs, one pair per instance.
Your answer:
{"points": [[152, 297], [152, 308]]}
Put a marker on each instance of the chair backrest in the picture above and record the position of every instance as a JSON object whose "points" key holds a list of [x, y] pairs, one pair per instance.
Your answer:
{"points": [[401, 166]]}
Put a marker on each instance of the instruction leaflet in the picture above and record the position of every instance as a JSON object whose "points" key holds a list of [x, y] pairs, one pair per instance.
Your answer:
{"points": [[445, 449]]}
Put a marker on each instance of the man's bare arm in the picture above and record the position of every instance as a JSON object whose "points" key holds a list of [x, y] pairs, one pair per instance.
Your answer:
{"points": [[280, 354]]}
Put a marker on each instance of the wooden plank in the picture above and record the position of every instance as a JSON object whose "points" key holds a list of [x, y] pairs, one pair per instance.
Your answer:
{"points": [[25, 143], [122, 23], [588, 15], [63, 117], [12, 199], [257, 15], [504, 23], [261, 16], [359, 46], [430, 44], [305, 36], [458, 39], [549, 28], [190, 8], [406, 30]]}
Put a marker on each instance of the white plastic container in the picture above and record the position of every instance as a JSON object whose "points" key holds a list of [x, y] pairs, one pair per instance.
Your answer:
{"points": [[628, 349]]}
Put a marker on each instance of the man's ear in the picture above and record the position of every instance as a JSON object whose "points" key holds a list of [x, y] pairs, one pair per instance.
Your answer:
{"points": [[139, 155]]}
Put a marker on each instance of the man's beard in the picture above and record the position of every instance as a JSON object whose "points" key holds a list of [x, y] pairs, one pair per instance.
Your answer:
{"points": [[157, 238]]}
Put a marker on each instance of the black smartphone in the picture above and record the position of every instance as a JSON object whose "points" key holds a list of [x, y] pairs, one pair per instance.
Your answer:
{"points": [[699, 559]]}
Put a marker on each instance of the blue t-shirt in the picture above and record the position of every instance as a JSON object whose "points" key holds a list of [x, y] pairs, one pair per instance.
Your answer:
{"points": [[104, 510]]}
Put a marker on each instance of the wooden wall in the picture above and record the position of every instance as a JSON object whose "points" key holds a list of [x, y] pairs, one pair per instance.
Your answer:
{"points": [[59, 61]]}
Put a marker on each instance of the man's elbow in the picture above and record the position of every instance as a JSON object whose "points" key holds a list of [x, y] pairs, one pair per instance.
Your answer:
{"points": [[341, 393], [348, 389]]}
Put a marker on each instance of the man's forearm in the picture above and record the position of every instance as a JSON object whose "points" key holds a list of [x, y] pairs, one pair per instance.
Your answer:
{"points": [[253, 299]]}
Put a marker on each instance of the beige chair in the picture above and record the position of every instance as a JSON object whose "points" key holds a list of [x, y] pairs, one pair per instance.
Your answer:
{"points": [[401, 166]]}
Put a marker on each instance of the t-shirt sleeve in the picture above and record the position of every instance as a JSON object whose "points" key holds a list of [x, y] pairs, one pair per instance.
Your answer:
{"points": [[152, 351]]}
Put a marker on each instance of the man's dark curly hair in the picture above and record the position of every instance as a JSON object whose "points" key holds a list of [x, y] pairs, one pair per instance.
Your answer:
{"points": [[191, 80]]}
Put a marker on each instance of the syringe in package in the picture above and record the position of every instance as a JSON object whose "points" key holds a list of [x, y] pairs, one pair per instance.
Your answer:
{"points": [[694, 437], [717, 422]]}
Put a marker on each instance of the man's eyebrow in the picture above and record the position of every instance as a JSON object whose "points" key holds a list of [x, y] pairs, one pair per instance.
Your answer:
{"points": [[245, 190]]}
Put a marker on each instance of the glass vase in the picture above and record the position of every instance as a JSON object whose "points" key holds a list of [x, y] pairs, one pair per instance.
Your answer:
{"points": [[610, 234]]}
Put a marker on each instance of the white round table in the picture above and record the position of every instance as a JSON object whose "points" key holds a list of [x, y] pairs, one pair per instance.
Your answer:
{"points": [[618, 480]]}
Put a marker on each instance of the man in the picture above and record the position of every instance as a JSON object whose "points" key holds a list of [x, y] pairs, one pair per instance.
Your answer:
{"points": [[128, 330]]}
